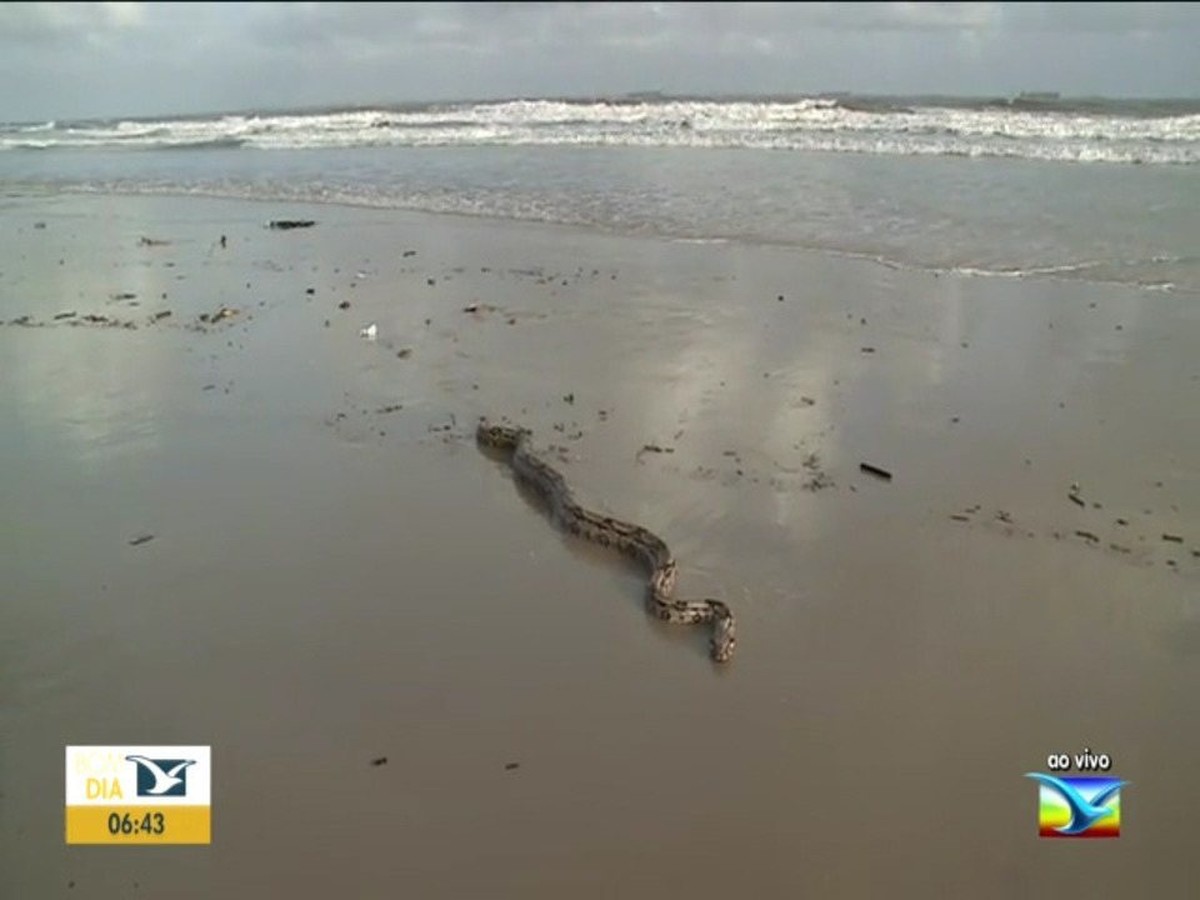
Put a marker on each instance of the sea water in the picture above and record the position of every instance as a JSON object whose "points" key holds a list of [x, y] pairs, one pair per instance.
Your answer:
{"points": [[1103, 190]]}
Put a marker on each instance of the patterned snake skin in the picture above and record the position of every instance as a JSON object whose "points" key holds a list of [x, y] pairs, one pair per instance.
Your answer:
{"points": [[643, 546]]}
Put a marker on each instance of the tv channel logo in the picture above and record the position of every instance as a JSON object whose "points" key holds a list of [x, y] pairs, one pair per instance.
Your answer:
{"points": [[139, 795], [161, 777], [1081, 805]]}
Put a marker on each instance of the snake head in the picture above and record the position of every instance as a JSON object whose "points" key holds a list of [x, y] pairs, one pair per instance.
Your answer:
{"points": [[722, 650], [724, 632]]}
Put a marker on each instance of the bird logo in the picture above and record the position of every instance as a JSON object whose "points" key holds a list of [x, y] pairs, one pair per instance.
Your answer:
{"points": [[1084, 812], [161, 777]]}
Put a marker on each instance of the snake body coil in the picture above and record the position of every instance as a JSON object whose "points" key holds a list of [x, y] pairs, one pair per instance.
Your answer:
{"points": [[642, 545]]}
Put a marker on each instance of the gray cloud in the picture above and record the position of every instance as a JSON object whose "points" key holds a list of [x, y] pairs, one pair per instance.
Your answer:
{"points": [[67, 60]]}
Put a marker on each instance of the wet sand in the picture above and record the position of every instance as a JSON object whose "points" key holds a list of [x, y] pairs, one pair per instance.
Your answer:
{"points": [[337, 574]]}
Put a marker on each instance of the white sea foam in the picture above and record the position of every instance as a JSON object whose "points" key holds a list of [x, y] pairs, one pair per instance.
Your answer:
{"points": [[813, 124], [861, 196]]}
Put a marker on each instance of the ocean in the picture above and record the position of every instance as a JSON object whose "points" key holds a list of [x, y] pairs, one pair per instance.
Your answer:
{"points": [[1036, 185]]}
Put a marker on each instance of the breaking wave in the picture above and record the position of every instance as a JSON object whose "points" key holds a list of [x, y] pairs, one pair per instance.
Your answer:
{"points": [[1035, 127]]}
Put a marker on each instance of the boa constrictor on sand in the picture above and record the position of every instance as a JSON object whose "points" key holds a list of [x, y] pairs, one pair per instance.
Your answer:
{"points": [[634, 541]]}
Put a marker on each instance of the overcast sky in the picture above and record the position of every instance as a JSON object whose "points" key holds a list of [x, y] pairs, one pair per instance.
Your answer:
{"points": [[111, 59]]}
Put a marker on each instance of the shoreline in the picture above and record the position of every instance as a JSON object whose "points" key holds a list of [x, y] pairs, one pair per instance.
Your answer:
{"points": [[1051, 272]]}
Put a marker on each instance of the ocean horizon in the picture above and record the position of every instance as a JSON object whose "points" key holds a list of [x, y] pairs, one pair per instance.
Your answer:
{"points": [[1133, 106]]}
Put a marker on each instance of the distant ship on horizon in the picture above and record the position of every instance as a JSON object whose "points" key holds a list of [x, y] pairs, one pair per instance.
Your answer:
{"points": [[645, 95], [1038, 96]]}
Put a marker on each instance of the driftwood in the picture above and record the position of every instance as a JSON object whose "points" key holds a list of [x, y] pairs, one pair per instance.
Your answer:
{"points": [[876, 471]]}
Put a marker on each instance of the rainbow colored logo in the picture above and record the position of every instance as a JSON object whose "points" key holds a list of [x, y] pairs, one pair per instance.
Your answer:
{"points": [[1078, 806]]}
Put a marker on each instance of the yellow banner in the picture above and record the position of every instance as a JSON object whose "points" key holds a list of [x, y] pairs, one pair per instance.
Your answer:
{"points": [[139, 825]]}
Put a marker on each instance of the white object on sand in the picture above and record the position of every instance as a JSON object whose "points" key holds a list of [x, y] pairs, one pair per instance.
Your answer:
{"points": [[369, 332]]}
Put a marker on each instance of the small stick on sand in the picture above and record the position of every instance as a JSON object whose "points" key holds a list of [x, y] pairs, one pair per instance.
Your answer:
{"points": [[876, 471]]}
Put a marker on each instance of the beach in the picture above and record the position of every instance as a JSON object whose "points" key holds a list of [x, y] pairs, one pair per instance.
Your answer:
{"points": [[231, 519]]}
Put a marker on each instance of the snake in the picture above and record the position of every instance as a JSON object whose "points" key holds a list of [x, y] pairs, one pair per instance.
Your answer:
{"points": [[637, 543]]}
